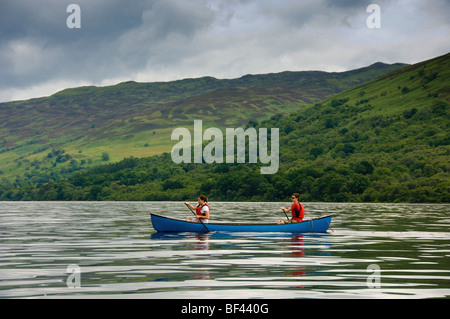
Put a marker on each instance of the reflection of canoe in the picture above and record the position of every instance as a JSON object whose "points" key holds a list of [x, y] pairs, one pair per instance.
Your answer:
{"points": [[166, 224]]}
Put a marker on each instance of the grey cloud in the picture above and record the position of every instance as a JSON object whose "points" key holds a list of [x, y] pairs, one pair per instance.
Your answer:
{"points": [[116, 37], [350, 4], [169, 39], [47, 19], [182, 17]]}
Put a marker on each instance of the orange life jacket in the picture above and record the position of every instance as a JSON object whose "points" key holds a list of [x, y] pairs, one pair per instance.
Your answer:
{"points": [[298, 212], [199, 208]]}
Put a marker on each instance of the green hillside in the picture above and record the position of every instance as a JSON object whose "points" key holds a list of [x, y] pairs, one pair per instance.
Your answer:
{"points": [[382, 141], [47, 138]]}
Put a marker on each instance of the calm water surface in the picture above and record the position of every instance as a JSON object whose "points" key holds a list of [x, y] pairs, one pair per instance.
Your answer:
{"points": [[120, 255]]}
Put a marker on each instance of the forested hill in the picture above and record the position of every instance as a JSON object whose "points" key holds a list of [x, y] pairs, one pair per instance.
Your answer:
{"points": [[383, 141], [45, 139]]}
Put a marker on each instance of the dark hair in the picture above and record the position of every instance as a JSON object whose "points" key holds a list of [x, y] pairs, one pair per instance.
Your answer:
{"points": [[296, 195], [203, 198]]}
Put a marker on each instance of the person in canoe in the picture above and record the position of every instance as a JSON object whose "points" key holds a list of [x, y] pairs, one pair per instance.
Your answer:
{"points": [[202, 210], [297, 209]]}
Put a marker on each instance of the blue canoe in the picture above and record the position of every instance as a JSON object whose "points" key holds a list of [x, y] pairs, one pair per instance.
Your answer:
{"points": [[166, 224]]}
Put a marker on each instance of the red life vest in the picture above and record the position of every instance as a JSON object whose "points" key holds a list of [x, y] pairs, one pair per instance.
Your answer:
{"points": [[199, 208], [298, 212]]}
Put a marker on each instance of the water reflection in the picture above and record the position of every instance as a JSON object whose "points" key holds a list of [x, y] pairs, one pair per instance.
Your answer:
{"points": [[119, 252], [298, 249], [248, 255]]}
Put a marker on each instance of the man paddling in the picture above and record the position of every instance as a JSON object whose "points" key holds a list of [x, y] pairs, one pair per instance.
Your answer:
{"points": [[297, 209], [201, 210]]}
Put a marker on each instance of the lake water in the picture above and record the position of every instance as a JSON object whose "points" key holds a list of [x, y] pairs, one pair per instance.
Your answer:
{"points": [[112, 250]]}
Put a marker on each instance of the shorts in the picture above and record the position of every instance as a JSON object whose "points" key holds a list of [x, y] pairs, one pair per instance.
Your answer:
{"points": [[196, 220], [292, 221]]}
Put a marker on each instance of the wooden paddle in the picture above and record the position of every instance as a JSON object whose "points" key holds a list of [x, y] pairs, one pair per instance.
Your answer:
{"points": [[198, 218]]}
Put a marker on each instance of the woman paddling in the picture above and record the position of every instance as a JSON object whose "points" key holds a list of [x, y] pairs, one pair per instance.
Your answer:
{"points": [[202, 210], [297, 209]]}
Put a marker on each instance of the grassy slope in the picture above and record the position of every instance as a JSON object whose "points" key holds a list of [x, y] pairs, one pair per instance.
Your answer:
{"points": [[386, 140], [137, 118], [398, 123]]}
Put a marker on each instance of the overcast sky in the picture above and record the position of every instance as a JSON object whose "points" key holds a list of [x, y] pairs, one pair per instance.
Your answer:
{"points": [[163, 40]]}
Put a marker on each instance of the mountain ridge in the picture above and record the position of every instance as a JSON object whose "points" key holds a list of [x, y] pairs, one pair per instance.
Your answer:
{"points": [[385, 140], [136, 119]]}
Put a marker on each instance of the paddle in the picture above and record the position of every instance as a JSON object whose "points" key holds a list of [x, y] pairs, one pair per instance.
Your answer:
{"points": [[197, 218], [330, 227], [285, 214]]}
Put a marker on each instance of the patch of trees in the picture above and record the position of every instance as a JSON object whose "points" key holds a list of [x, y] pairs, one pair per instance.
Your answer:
{"points": [[353, 158]]}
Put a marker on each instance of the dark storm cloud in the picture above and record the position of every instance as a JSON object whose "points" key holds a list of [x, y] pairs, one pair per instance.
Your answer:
{"points": [[152, 40], [35, 42], [115, 36], [349, 4], [47, 19]]}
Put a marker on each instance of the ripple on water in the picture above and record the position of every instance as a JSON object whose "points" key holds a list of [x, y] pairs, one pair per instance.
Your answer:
{"points": [[118, 252]]}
